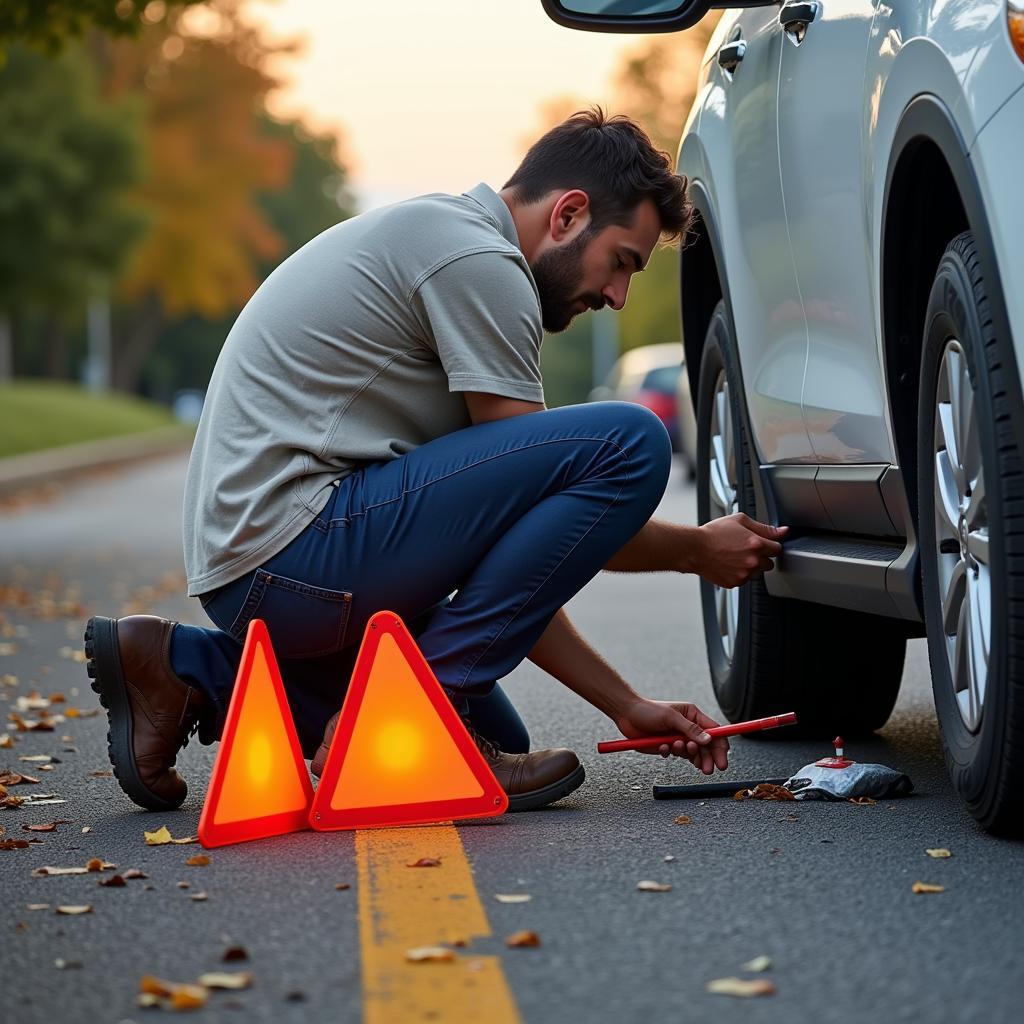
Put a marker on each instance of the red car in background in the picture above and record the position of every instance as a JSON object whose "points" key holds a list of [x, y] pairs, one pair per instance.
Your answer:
{"points": [[652, 376]]}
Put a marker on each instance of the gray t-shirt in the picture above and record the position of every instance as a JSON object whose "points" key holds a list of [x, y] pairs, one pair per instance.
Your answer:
{"points": [[355, 350]]}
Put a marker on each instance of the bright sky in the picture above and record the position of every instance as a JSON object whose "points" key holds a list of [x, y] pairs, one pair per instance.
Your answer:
{"points": [[433, 96]]}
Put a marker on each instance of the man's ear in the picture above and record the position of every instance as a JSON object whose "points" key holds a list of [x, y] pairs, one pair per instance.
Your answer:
{"points": [[570, 215]]}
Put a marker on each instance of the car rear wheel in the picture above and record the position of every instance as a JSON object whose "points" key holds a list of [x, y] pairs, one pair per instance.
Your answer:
{"points": [[839, 670], [972, 543]]}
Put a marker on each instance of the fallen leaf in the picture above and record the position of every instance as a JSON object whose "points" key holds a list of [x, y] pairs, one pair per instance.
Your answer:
{"points": [[39, 906], [86, 829], [182, 885], [64, 965], [13, 844], [425, 862], [430, 954], [103, 773], [919, 887], [648, 886], [37, 758], [85, 908], [188, 997], [758, 964], [113, 882], [199, 860], [764, 791], [519, 940], [46, 826], [683, 819], [99, 865], [147, 1000], [233, 953], [9, 778], [5, 740], [668, 858], [342, 886], [217, 979], [199, 897], [941, 853], [743, 987], [161, 837], [155, 986], [513, 897], [862, 801], [133, 873]]}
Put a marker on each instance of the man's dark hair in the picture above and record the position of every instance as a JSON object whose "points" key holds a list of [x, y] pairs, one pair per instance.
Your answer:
{"points": [[613, 160]]}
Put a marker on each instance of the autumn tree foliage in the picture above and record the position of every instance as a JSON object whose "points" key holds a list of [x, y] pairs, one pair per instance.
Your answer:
{"points": [[51, 23], [67, 164]]}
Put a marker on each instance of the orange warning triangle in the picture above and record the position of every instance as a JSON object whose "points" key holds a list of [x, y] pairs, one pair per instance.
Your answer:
{"points": [[400, 754], [260, 786]]}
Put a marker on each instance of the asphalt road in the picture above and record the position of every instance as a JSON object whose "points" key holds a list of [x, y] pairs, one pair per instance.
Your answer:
{"points": [[826, 896]]}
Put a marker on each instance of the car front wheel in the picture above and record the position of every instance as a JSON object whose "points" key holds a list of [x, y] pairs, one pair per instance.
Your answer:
{"points": [[970, 477]]}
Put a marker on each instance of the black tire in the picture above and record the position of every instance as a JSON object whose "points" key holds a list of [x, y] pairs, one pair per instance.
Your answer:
{"points": [[839, 670], [986, 762]]}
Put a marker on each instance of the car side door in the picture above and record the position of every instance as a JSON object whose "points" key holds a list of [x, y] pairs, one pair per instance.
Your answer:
{"points": [[822, 116]]}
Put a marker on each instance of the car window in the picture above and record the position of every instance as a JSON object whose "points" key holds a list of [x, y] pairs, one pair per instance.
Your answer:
{"points": [[663, 379]]}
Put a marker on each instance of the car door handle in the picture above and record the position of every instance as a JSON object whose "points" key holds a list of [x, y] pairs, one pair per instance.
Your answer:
{"points": [[795, 17], [730, 55]]}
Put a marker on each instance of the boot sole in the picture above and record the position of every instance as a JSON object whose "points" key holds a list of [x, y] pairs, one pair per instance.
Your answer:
{"points": [[547, 794], [103, 663]]}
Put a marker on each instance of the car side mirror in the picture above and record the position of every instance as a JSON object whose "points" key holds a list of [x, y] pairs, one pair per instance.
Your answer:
{"points": [[637, 15]]}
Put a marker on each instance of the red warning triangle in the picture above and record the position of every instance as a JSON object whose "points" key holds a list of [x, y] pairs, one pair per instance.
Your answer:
{"points": [[400, 754], [260, 786]]}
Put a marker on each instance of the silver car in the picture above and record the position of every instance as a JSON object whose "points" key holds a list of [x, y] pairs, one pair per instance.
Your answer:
{"points": [[854, 341]]}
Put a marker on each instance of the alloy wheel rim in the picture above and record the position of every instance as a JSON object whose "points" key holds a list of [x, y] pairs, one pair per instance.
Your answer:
{"points": [[724, 500], [962, 535]]}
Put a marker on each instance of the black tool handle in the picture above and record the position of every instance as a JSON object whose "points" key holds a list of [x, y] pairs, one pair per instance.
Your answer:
{"points": [[702, 789]]}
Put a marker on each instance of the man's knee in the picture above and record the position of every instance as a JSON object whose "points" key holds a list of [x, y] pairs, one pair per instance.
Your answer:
{"points": [[643, 436]]}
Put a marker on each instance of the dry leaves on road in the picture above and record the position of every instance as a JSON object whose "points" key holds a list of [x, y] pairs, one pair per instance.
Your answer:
{"points": [[234, 953], [85, 908], [222, 979], [513, 897], [425, 862], [683, 819], [940, 853], [9, 778], [162, 836], [171, 995], [95, 864], [926, 887], [758, 964], [430, 955], [13, 844], [46, 826], [199, 860], [744, 988], [764, 791], [522, 940], [648, 886], [341, 886]]}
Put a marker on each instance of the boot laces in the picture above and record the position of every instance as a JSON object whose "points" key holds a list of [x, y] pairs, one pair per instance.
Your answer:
{"points": [[487, 747]]}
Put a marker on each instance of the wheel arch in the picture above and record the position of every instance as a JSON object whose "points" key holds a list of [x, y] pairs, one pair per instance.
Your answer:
{"points": [[931, 195]]}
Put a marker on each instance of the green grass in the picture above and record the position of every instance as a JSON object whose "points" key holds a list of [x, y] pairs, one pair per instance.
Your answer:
{"points": [[46, 414]]}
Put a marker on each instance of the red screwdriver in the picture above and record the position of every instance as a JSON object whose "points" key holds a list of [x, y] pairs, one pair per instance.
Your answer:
{"points": [[653, 742]]}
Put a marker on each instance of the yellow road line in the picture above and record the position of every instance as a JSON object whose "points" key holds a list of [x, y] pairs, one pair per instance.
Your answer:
{"points": [[401, 908]]}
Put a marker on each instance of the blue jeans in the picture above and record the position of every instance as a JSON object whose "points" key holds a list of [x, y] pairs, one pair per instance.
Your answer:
{"points": [[513, 517]]}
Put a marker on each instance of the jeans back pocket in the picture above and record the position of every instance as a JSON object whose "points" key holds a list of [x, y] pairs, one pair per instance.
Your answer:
{"points": [[303, 621]]}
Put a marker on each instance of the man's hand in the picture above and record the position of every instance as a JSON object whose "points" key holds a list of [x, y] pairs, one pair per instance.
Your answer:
{"points": [[736, 548], [660, 717]]}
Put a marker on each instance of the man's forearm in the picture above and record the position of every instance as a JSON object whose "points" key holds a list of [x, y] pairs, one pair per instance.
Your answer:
{"points": [[564, 654], [658, 547]]}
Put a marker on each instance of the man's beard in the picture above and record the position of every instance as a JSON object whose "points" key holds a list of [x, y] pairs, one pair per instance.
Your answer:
{"points": [[558, 273]]}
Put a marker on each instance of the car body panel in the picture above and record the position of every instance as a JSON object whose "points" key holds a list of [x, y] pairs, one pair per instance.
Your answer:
{"points": [[737, 162]]}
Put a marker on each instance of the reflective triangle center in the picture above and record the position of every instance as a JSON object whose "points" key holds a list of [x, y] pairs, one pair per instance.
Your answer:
{"points": [[400, 752], [261, 777]]}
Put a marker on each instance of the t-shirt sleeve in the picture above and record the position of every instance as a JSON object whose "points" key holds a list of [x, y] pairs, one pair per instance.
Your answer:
{"points": [[481, 315]]}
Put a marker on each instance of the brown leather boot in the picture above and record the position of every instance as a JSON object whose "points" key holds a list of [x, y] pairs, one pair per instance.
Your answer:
{"points": [[151, 711], [530, 780]]}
